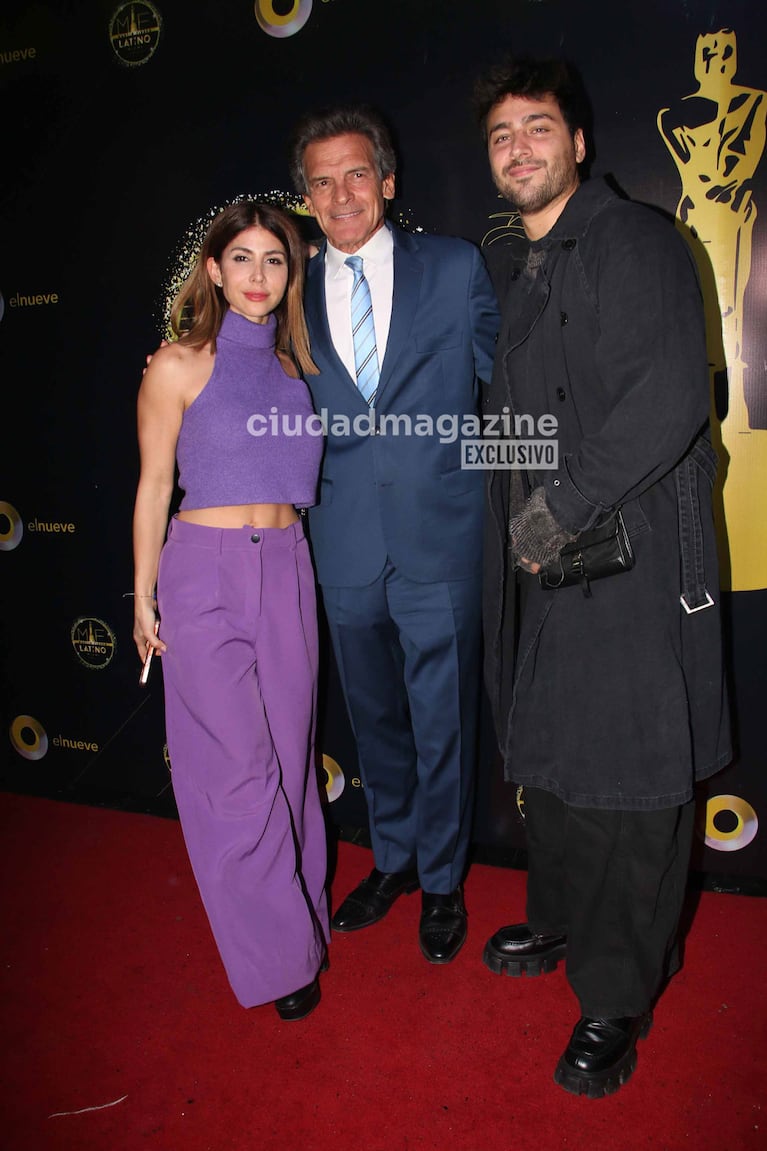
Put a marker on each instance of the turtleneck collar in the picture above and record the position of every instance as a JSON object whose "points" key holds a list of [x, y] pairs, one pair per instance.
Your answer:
{"points": [[241, 331]]}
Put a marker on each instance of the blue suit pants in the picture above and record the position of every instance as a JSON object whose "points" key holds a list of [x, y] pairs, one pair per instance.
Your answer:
{"points": [[408, 656]]}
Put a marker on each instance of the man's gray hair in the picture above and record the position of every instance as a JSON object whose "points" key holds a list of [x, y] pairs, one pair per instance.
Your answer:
{"points": [[338, 121]]}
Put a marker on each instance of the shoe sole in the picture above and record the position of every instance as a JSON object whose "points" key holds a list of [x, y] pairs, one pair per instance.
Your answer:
{"points": [[597, 1084], [527, 965]]}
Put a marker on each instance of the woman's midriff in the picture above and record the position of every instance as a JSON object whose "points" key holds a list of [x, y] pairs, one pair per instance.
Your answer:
{"points": [[242, 515]]}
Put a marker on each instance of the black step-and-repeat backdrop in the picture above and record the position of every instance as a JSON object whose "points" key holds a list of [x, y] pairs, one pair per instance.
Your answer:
{"points": [[126, 125]]}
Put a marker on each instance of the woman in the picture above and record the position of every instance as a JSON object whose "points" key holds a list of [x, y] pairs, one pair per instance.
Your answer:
{"points": [[236, 600]]}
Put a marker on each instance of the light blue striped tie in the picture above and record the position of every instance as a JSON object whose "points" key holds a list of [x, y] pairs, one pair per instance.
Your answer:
{"points": [[363, 333]]}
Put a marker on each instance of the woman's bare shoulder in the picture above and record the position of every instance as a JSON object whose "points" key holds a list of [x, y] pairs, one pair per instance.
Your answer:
{"points": [[179, 354], [179, 369]]}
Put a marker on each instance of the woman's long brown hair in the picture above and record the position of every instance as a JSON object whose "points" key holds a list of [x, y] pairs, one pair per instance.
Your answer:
{"points": [[199, 308]]}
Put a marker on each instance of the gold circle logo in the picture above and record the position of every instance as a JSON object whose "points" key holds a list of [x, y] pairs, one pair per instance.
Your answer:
{"points": [[28, 737], [335, 782], [746, 823], [285, 24], [94, 642], [134, 32], [11, 527]]}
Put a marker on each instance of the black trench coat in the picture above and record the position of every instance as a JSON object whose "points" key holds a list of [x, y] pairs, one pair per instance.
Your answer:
{"points": [[616, 700]]}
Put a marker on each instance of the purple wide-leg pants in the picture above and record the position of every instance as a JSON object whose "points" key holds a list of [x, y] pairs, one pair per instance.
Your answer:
{"points": [[238, 615]]}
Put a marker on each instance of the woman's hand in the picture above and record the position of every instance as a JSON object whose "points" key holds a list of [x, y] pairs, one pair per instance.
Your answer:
{"points": [[144, 618]]}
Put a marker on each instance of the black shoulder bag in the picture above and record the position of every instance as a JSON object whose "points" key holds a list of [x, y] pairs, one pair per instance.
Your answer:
{"points": [[601, 551]]}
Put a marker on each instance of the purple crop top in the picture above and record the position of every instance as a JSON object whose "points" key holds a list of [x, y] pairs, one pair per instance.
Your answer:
{"points": [[250, 437]]}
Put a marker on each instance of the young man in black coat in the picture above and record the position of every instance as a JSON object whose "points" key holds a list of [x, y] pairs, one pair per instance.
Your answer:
{"points": [[608, 696]]}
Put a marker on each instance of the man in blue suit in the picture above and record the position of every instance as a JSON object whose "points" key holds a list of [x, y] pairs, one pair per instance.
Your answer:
{"points": [[397, 533]]}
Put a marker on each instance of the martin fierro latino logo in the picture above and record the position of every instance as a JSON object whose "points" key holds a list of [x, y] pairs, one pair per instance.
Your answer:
{"points": [[94, 642], [134, 32]]}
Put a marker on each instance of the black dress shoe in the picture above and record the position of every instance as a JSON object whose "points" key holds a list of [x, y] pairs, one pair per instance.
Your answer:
{"points": [[517, 950], [372, 898], [601, 1055], [442, 931], [300, 1004]]}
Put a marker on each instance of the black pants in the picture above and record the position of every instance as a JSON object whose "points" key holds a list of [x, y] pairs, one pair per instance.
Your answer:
{"points": [[614, 882]]}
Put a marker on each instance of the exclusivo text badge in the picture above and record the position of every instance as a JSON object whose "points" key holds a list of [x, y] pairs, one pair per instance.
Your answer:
{"points": [[510, 454]]}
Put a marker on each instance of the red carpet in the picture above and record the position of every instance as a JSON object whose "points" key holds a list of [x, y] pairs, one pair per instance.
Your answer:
{"points": [[120, 1032]]}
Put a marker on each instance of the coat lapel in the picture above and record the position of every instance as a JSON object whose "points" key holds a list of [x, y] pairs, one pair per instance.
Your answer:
{"points": [[408, 273]]}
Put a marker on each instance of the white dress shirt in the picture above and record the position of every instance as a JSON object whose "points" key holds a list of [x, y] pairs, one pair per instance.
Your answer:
{"points": [[378, 265]]}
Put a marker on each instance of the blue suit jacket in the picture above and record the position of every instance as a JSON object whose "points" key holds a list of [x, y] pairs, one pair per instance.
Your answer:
{"points": [[389, 486]]}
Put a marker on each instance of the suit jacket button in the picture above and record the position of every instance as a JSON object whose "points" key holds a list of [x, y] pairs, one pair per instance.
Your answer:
{"points": [[568, 245], [561, 394]]}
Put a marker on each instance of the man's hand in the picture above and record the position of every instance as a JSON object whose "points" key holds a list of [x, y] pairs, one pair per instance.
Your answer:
{"points": [[534, 531], [163, 344]]}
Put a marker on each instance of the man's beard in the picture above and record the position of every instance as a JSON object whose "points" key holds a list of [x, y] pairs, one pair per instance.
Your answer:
{"points": [[533, 197]]}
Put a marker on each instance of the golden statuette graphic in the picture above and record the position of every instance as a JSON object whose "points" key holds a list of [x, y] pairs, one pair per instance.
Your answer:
{"points": [[716, 136]]}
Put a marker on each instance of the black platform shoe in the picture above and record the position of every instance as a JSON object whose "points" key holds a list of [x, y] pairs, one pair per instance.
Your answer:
{"points": [[601, 1055], [517, 950]]}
